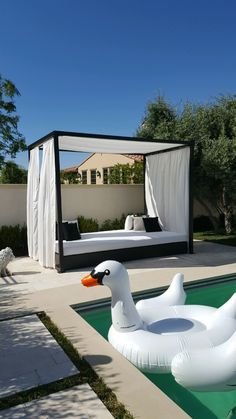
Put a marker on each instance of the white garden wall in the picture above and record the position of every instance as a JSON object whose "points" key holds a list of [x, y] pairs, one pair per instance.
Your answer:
{"points": [[12, 204], [92, 201]]}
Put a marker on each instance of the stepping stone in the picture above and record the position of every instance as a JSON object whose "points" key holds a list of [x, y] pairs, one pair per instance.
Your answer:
{"points": [[30, 356], [79, 402]]}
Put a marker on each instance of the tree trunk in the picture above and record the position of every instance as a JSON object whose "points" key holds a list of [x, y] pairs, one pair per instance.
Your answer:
{"points": [[227, 211]]}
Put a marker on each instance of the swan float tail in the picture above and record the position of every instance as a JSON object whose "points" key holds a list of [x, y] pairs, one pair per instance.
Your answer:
{"points": [[212, 369], [174, 295], [228, 309]]}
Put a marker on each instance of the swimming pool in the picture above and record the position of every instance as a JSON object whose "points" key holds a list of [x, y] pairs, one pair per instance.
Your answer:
{"points": [[213, 292]]}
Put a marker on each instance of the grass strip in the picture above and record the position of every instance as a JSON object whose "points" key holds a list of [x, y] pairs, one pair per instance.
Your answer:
{"points": [[87, 375], [229, 240]]}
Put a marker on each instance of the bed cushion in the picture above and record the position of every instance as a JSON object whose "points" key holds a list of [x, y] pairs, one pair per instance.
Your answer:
{"points": [[151, 224], [139, 224], [118, 239], [129, 222]]}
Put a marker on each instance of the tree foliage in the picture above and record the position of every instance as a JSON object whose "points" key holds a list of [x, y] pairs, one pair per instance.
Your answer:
{"points": [[213, 129], [11, 140], [69, 177], [159, 121], [12, 173], [126, 173]]}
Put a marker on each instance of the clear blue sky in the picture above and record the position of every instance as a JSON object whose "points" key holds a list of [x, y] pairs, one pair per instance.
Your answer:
{"points": [[92, 65]]}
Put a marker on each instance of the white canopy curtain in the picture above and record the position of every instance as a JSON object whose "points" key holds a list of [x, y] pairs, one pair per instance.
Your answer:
{"points": [[167, 189], [47, 207], [32, 203]]}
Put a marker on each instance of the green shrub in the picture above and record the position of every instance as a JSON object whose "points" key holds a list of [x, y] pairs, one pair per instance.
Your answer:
{"points": [[87, 225], [202, 223], [116, 224], [14, 237]]}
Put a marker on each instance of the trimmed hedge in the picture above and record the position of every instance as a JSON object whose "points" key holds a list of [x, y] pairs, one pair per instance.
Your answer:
{"points": [[202, 223], [116, 224], [90, 225], [87, 225], [14, 237]]}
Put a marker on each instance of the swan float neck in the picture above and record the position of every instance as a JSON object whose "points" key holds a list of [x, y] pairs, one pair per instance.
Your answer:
{"points": [[125, 317]]}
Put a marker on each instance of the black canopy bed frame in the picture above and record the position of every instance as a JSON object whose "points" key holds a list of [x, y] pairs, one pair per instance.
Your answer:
{"points": [[65, 262]]}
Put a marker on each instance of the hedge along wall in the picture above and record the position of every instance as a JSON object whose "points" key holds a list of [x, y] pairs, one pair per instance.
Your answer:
{"points": [[92, 201]]}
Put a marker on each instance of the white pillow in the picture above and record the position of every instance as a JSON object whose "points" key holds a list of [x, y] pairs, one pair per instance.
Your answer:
{"points": [[129, 222], [139, 224]]}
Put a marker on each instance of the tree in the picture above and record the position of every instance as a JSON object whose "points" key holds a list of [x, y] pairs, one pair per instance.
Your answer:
{"points": [[159, 121], [12, 173], [219, 156], [126, 173], [213, 128], [138, 174], [11, 141], [69, 177], [120, 173]]}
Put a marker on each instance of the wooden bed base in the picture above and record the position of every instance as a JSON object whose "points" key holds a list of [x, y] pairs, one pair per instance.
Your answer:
{"points": [[121, 255]]}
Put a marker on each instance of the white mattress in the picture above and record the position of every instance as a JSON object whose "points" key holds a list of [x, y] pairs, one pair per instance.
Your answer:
{"points": [[118, 239]]}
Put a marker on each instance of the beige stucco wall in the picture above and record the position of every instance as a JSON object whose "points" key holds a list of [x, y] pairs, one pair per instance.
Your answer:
{"points": [[96, 201], [100, 202], [99, 161], [12, 204]]}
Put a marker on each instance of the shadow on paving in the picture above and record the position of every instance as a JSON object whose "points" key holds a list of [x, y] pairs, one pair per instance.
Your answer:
{"points": [[76, 402], [30, 356]]}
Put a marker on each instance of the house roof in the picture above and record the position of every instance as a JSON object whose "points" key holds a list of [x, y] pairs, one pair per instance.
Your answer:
{"points": [[135, 157], [74, 169]]}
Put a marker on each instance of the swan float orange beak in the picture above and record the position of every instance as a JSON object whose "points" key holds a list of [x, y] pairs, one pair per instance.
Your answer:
{"points": [[89, 281], [94, 278]]}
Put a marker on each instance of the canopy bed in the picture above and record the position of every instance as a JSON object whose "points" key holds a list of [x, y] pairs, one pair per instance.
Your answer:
{"points": [[167, 196]]}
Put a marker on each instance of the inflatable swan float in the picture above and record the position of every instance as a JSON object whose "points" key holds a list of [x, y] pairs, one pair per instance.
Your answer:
{"points": [[161, 335]]}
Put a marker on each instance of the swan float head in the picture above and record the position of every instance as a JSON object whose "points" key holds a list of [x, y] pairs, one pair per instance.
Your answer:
{"points": [[110, 273]]}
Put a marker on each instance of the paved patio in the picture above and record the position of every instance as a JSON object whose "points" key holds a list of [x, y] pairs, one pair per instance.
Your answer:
{"points": [[79, 402], [31, 289], [30, 356]]}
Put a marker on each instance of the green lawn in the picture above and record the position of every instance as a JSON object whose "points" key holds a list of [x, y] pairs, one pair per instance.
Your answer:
{"points": [[229, 240]]}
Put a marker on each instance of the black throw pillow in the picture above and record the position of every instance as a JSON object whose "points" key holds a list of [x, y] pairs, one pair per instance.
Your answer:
{"points": [[151, 224], [71, 231], [64, 230], [64, 223]]}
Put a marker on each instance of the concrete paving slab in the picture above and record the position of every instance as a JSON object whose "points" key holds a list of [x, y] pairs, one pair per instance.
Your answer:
{"points": [[16, 412], [18, 382], [79, 402], [30, 356]]}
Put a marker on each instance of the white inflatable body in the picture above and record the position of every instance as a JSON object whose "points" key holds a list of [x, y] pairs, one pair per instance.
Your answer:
{"points": [[161, 335], [213, 368]]}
